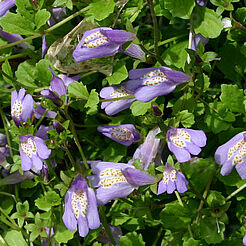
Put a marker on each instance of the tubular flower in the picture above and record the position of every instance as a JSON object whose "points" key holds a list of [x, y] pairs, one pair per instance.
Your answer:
{"points": [[196, 39], [80, 207], [21, 106], [244, 240], [149, 151], [114, 107], [182, 142], [5, 5], [116, 180], [232, 154], [32, 151], [148, 83], [104, 41], [123, 134], [172, 180]]}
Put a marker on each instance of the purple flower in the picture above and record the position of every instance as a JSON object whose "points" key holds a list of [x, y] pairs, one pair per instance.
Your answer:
{"points": [[196, 39], [244, 240], [104, 238], [15, 177], [21, 106], [135, 51], [58, 14], [231, 154], [172, 180], [39, 111], [182, 142], [32, 151], [123, 134], [4, 150], [202, 2], [104, 41], [5, 5], [116, 180], [43, 132], [114, 107], [149, 151], [80, 207], [148, 83]]}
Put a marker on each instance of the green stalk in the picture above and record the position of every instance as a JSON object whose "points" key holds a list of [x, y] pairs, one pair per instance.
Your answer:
{"points": [[235, 192], [116, 99], [40, 120], [37, 35], [105, 225], [13, 56]]}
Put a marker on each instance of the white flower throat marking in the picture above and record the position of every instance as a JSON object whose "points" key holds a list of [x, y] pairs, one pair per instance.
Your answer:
{"points": [[237, 151], [17, 109], [95, 39], [154, 78], [169, 174], [111, 176], [29, 147], [179, 137], [120, 133], [120, 92], [79, 203]]}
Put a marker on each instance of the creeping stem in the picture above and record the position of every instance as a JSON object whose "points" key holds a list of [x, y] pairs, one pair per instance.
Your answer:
{"points": [[235, 192]]}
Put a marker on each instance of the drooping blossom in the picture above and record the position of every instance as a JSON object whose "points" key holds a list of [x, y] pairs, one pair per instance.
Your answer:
{"points": [[116, 180], [39, 111], [183, 142], [114, 107], [42, 132], [5, 5], [150, 151], [80, 207], [58, 88], [15, 177], [233, 154], [172, 180], [124, 134], [134, 51], [196, 40], [148, 83], [33, 151], [21, 106], [104, 41], [104, 238]]}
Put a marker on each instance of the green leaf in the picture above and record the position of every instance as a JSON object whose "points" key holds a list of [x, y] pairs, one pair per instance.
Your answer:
{"points": [[26, 74], [92, 102], [14, 238], [44, 74], [140, 108], [186, 118], [131, 239], [15, 23], [41, 17], [206, 22], [176, 55], [215, 199], [50, 199], [7, 69], [232, 97], [78, 90], [209, 231], [62, 234], [114, 152], [100, 10], [119, 74], [179, 8], [25, 8]]}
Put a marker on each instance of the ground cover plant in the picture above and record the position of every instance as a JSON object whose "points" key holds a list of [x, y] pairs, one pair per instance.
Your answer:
{"points": [[122, 122]]}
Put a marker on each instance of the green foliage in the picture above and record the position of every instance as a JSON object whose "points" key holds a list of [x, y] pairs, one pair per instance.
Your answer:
{"points": [[14, 238], [41, 17], [50, 199], [119, 74], [140, 108], [131, 238], [78, 90]]}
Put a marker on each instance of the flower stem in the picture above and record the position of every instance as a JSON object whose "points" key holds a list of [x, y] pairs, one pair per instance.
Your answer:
{"points": [[105, 224], [6, 130], [37, 35], [205, 193], [40, 120], [156, 32], [13, 56], [181, 203], [190, 38], [235, 192], [116, 99]]}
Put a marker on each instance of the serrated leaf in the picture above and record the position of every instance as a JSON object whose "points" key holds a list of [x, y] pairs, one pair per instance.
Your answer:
{"points": [[187, 119], [207, 22], [50, 199], [41, 17], [232, 97], [62, 234], [96, 9], [78, 90], [179, 8], [140, 108], [15, 23], [92, 102], [131, 239]]}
